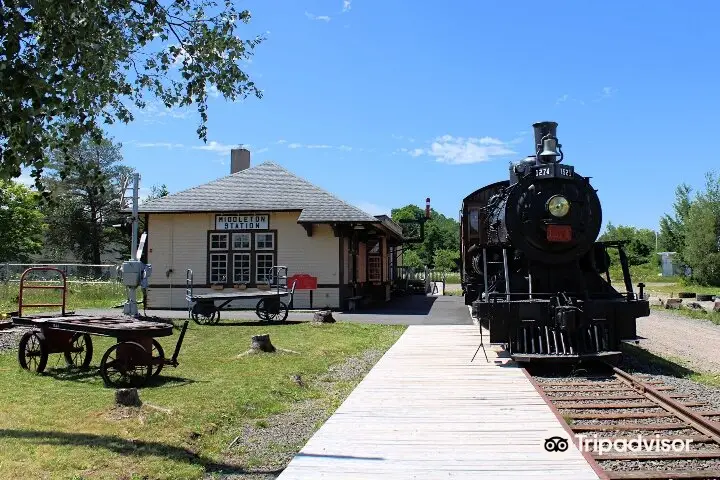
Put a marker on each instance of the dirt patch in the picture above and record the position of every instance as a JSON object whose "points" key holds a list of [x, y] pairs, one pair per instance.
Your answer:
{"points": [[265, 447], [666, 333]]}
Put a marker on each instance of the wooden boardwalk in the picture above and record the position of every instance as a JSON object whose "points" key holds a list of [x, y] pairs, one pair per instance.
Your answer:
{"points": [[425, 412]]}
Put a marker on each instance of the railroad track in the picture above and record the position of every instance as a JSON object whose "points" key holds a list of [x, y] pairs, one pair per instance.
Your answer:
{"points": [[610, 415]]}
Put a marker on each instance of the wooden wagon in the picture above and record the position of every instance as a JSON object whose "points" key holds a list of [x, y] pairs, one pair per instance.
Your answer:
{"points": [[131, 361]]}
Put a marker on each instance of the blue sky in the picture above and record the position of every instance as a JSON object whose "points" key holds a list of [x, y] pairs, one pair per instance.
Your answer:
{"points": [[385, 103]]}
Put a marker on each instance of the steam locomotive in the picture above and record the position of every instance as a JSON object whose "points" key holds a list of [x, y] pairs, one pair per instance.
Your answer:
{"points": [[531, 267]]}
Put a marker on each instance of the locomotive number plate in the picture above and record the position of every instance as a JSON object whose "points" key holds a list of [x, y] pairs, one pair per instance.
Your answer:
{"points": [[559, 233], [554, 170]]}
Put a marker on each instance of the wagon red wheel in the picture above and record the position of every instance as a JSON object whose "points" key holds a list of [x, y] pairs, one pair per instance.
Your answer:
{"points": [[158, 358], [32, 352], [80, 351], [126, 364]]}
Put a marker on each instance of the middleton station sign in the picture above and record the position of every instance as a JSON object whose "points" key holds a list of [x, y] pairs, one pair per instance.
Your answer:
{"points": [[245, 221]]}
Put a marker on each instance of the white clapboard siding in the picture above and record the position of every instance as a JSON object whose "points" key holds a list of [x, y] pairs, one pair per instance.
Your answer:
{"points": [[425, 412], [177, 242]]}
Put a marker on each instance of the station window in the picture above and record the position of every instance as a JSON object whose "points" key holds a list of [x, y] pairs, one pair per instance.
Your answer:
{"points": [[241, 241], [263, 267], [218, 267], [374, 268], [241, 268], [241, 257], [264, 241], [218, 241]]}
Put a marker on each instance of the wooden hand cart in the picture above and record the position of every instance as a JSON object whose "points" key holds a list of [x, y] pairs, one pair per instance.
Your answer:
{"points": [[130, 362], [269, 308]]}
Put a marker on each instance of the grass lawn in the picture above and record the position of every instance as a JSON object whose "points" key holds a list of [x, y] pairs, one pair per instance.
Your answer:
{"points": [[79, 295], [63, 424]]}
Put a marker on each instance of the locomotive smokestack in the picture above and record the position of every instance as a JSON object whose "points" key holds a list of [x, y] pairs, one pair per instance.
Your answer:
{"points": [[542, 129]]}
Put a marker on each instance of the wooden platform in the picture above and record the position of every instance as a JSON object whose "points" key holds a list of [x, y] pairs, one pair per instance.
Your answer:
{"points": [[425, 412]]}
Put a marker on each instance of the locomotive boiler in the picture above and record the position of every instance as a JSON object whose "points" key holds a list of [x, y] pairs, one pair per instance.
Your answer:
{"points": [[532, 269]]}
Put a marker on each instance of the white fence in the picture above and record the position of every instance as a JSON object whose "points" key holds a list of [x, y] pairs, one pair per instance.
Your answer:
{"points": [[75, 272]]}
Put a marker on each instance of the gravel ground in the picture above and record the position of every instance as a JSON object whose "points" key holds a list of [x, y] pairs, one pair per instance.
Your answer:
{"points": [[668, 333], [697, 392], [10, 338], [268, 446]]}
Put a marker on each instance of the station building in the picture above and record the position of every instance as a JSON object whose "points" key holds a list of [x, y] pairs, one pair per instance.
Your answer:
{"points": [[231, 231]]}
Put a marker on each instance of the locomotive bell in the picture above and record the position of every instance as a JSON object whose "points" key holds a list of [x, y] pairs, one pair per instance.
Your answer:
{"points": [[549, 150]]}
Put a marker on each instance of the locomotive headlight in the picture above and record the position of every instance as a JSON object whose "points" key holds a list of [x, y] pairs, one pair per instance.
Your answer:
{"points": [[558, 206]]}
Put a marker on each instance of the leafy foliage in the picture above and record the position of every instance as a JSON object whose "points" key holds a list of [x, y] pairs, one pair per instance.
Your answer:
{"points": [[701, 249], [21, 223], [68, 66], [86, 188], [641, 248], [441, 233], [446, 260], [672, 229]]}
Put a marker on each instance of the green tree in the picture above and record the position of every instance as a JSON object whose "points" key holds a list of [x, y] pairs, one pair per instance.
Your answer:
{"points": [[86, 188], [21, 223], [640, 250], [701, 250], [412, 259], [446, 260], [672, 228], [441, 232], [69, 66]]}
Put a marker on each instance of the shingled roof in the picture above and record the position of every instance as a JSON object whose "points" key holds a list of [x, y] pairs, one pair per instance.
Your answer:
{"points": [[265, 187]]}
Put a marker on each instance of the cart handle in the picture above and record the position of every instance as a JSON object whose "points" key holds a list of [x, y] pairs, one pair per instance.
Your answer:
{"points": [[173, 361], [23, 286]]}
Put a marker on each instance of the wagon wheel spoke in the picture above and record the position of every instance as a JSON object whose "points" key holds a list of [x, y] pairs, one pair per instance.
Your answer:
{"points": [[79, 353], [32, 352], [126, 364]]}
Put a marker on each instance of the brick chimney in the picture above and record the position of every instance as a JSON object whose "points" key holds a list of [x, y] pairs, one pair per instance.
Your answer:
{"points": [[239, 160]]}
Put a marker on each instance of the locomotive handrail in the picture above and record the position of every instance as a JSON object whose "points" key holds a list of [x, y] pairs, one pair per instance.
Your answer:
{"points": [[23, 286]]}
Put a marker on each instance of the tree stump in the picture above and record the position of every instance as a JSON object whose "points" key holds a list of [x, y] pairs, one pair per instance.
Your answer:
{"points": [[262, 343], [127, 397], [323, 316]]}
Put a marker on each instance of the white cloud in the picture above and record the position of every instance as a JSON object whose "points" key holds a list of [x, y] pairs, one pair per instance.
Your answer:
{"points": [[322, 18], [347, 5], [373, 209], [213, 91], [608, 92], [562, 99], [281, 141], [219, 148], [461, 151], [25, 179], [262, 150], [316, 146], [159, 145]]}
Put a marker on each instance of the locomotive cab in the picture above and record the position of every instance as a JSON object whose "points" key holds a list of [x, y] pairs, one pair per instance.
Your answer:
{"points": [[532, 268]]}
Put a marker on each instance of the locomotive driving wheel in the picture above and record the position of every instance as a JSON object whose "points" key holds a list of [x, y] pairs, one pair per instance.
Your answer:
{"points": [[33, 352]]}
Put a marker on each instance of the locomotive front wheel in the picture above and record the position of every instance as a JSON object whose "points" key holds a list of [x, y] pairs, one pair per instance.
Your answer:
{"points": [[126, 364], [158, 358], [205, 315], [33, 352], [80, 351]]}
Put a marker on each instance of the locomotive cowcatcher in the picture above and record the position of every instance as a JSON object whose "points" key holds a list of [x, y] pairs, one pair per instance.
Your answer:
{"points": [[532, 269]]}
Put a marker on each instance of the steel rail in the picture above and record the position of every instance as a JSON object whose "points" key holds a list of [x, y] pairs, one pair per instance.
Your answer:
{"points": [[696, 420]]}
